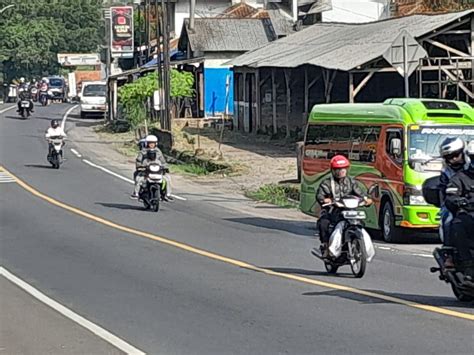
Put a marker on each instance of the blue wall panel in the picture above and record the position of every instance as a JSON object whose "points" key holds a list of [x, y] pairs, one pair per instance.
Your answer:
{"points": [[214, 90]]}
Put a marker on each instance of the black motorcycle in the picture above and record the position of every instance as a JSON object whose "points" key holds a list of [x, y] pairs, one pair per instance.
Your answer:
{"points": [[352, 246], [153, 190], [55, 156], [461, 283], [25, 109]]}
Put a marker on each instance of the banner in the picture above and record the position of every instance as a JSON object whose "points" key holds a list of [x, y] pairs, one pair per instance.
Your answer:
{"points": [[121, 32], [77, 59]]}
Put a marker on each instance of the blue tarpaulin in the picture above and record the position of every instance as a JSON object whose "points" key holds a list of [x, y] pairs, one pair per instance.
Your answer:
{"points": [[215, 90]]}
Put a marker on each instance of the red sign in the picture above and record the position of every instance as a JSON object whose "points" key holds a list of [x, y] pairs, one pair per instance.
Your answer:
{"points": [[121, 31]]}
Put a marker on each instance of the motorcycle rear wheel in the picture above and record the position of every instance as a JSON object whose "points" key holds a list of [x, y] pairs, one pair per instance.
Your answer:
{"points": [[360, 256]]}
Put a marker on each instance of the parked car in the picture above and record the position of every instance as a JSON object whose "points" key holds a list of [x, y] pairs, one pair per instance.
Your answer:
{"points": [[93, 98]]}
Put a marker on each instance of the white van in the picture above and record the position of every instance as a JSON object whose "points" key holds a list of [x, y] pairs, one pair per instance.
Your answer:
{"points": [[93, 98]]}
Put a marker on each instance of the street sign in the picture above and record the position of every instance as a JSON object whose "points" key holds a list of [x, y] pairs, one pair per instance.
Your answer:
{"points": [[414, 52]]}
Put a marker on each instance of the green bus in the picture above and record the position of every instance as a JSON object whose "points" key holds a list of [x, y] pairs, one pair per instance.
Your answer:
{"points": [[393, 148]]}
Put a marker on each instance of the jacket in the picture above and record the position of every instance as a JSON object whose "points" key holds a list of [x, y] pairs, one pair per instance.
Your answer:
{"points": [[330, 188], [55, 132], [139, 162], [460, 192]]}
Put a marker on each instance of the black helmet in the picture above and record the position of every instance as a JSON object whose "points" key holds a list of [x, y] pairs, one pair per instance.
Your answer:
{"points": [[54, 123], [452, 147], [151, 154]]}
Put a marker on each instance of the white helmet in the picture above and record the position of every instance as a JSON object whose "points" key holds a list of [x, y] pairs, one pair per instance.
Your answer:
{"points": [[151, 139], [451, 145], [22, 80]]}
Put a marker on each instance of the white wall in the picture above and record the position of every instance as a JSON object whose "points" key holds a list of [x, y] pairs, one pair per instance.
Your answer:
{"points": [[356, 11]]}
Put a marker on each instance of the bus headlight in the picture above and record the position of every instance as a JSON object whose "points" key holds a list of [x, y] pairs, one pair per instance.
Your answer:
{"points": [[412, 195]]}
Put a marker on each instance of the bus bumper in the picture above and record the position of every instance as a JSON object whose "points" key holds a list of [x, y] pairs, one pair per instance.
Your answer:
{"points": [[420, 217]]}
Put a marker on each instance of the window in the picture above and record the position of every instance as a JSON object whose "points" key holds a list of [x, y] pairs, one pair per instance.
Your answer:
{"points": [[391, 147], [357, 142]]}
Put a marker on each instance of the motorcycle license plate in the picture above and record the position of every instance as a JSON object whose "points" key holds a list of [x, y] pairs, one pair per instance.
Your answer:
{"points": [[25, 104]]}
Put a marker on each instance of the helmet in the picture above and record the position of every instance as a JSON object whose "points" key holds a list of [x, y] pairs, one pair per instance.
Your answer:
{"points": [[340, 162], [22, 80], [151, 139], [450, 148], [54, 123]]}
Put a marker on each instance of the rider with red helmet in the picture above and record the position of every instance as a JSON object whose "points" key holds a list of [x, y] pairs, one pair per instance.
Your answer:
{"points": [[333, 188]]}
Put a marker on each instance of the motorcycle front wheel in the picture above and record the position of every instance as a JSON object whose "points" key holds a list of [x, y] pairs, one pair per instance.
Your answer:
{"points": [[359, 254]]}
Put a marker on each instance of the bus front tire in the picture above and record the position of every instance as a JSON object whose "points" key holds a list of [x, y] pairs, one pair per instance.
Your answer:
{"points": [[390, 233]]}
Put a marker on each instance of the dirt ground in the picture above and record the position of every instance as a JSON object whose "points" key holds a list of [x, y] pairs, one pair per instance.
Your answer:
{"points": [[255, 160]]}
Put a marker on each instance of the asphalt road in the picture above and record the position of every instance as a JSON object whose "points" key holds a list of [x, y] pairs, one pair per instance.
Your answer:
{"points": [[198, 278]]}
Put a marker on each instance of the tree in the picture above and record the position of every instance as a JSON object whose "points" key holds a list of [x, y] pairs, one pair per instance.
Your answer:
{"points": [[133, 96], [34, 31]]}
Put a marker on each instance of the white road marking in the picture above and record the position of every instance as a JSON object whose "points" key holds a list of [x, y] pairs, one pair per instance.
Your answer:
{"points": [[123, 177], [384, 248], [108, 171], [424, 255], [6, 109], [5, 178], [76, 153], [63, 122], [94, 328]]}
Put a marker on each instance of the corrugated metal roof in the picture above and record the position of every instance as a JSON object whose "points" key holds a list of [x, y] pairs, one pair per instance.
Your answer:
{"points": [[230, 34], [341, 46]]}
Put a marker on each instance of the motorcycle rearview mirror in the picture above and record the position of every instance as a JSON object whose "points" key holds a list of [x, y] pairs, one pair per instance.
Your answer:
{"points": [[373, 190]]}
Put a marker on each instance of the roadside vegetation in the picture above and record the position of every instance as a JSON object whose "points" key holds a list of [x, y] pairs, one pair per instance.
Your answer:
{"points": [[283, 195]]}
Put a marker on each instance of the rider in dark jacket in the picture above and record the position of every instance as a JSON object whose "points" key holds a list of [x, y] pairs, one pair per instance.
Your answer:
{"points": [[460, 201], [338, 185]]}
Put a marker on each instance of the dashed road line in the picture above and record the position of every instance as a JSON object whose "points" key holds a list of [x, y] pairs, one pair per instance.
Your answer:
{"points": [[122, 177], [76, 153], [94, 328], [243, 264]]}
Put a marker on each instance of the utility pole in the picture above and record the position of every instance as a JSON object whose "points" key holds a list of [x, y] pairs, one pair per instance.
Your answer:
{"points": [[166, 65]]}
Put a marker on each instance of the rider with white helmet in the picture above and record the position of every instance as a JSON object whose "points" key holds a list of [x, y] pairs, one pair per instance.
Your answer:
{"points": [[455, 159], [151, 144]]}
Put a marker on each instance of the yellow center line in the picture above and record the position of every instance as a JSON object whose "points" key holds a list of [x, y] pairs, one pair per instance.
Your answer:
{"points": [[242, 264]]}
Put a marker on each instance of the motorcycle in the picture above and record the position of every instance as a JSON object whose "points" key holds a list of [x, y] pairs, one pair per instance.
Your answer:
{"points": [[55, 157], [461, 283], [350, 244], [34, 93], [43, 98], [25, 110], [152, 191]]}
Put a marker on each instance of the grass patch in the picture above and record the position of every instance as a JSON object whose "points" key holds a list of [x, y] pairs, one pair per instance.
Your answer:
{"points": [[188, 168], [281, 195]]}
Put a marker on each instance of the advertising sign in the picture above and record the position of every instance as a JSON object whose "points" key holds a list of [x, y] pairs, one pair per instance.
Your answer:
{"points": [[121, 31], [77, 59]]}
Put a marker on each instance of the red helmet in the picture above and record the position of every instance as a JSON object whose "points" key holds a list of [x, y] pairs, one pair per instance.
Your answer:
{"points": [[340, 162]]}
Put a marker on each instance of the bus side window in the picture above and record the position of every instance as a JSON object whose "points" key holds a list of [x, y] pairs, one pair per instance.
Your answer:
{"points": [[393, 145]]}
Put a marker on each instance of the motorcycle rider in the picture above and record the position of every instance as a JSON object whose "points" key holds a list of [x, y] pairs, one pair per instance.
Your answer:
{"points": [[333, 188], [25, 95], [460, 202], [151, 145], [454, 160], [54, 131]]}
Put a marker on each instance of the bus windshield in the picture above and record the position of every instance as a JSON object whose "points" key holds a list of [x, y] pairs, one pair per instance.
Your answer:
{"points": [[424, 142]]}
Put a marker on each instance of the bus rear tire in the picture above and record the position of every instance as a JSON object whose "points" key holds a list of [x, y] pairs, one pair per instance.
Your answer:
{"points": [[390, 233]]}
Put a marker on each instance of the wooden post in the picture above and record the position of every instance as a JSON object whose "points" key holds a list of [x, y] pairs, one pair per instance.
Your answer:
{"points": [[257, 100], [274, 93], [114, 104], [351, 88], [288, 100], [246, 105]]}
